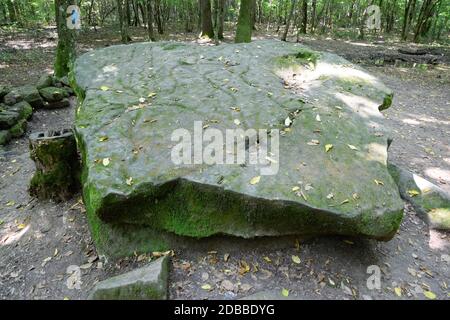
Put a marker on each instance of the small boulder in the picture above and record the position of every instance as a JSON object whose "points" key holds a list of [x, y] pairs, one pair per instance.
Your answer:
{"points": [[8, 119], [23, 108], [4, 90], [53, 94], [149, 282], [19, 129], [64, 81], [28, 93], [5, 137], [430, 202], [44, 81], [12, 97]]}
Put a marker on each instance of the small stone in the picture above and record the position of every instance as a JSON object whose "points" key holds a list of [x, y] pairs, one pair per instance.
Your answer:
{"points": [[28, 93], [44, 81], [23, 108], [53, 94], [8, 119], [149, 282], [19, 129], [4, 90], [5, 137]]}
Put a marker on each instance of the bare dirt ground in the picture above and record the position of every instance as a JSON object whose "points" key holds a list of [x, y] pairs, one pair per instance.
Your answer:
{"points": [[39, 240]]}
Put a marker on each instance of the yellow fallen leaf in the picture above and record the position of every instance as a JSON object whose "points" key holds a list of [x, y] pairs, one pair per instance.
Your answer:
{"points": [[10, 203], [352, 147], [104, 88], [105, 162], [378, 182], [151, 94], [267, 259], [429, 295], [21, 226], [129, 181], [296, 259], [398, 291], [255, 180], [295, 189], [328, 147], [413, 193], [285, 292], [206, 287], [102, 139]]}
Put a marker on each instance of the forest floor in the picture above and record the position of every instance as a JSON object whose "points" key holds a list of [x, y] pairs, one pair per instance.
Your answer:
{"points": [[39, 240]]}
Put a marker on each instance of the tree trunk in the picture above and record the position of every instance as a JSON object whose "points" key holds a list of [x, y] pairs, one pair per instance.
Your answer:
{"points": [[244, 26], [313, 15], [151, 33], [410, 8], [158, 17], [207, 26], [288, 22], [304, 17], [65, 50], [221, 18], [123, 21]]}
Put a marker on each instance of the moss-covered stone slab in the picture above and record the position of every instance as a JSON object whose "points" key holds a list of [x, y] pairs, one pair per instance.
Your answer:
{"points": [[430, 202], [332, 178], [145, 283]]}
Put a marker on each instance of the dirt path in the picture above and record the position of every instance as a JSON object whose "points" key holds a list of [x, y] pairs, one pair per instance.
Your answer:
{"points": [[40, 240]]}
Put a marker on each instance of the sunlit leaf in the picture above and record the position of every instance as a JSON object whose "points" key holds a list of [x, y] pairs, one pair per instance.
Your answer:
{"points": [[296, 259], [255, 180]]}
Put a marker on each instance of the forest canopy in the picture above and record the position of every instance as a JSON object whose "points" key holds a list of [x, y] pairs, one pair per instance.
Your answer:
{"points": [[412, 20]]}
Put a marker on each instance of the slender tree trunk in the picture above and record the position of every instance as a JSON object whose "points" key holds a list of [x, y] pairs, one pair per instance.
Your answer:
{"points": [[313, 15], [304, 16], [288, 22], [121, 11], [158, 17], [207, 26], [65, 50], [151, 33]]}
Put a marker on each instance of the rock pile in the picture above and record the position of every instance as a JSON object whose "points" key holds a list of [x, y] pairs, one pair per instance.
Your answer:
{"points": [[17, 104]]}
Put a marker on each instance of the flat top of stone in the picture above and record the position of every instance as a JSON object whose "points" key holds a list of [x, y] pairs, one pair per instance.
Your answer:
{"points": [[137, 95]]}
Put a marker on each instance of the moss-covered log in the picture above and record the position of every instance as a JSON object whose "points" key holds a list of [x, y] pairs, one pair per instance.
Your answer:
{"points": [[57, 165]]}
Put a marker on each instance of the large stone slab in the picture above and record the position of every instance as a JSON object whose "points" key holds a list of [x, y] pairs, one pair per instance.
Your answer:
{"points": [[149, 282], [135, 96]]}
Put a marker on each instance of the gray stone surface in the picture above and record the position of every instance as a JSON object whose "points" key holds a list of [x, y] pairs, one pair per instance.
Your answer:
{"points": [[146, 283]]}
